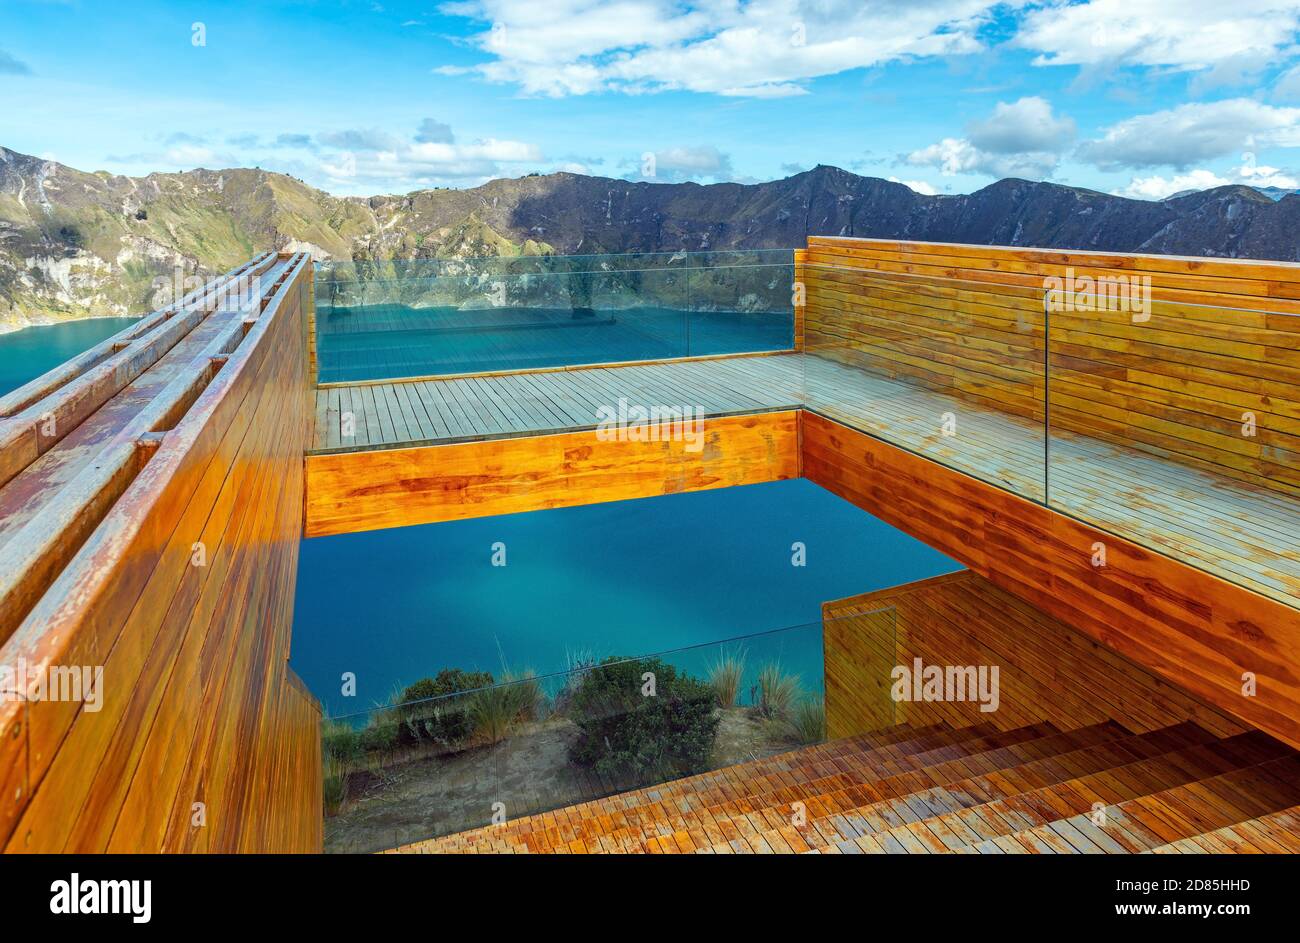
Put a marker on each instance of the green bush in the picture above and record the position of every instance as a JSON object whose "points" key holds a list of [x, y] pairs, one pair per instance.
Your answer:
{"points": [[725, 676], [445, 717], [340, 750], [382, 736], [626, 735], [340, 742], [448, 681]]}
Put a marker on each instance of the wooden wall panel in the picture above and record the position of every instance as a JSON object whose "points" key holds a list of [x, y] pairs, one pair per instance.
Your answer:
{"points": [[1187, 626], [353, 491], [198, 705], [1218, 339], [1047, 671]]}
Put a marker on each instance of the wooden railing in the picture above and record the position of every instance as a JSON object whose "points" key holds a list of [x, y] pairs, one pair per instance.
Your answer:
{"points": [[1199, 363], [169, 562]]}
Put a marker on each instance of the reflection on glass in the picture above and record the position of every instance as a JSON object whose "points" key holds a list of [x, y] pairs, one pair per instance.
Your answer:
{"points": [[438, 317]]}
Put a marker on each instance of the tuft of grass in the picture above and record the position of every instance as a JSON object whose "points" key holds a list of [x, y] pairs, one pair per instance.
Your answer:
{"points": [[725, 676], [340, 753], [808, 720], [777, 691], [494, 712]]}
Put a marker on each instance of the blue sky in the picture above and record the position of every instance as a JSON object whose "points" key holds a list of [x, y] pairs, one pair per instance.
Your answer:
{"points": [[1139, 97]]}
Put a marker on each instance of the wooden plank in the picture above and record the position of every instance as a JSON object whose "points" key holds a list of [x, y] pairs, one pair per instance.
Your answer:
{"points": [[1047, 670], [390, 488]]}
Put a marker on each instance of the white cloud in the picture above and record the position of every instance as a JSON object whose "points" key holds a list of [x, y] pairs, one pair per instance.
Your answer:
{"points": [[1189, 134], [1021, 139], [762, 49], [1250, 174], [1287, 87], [1189, 35], [676, 164], [1157, 188], [1027, 125], [357, 161], [920, 186]]}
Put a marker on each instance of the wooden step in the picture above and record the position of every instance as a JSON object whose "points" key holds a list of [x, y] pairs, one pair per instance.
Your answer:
{"points": [[1004, 809], [652, 806], [699, 812], [1275, 833], [712, 817], [960, 799], [940, 790], [1178, 813]]}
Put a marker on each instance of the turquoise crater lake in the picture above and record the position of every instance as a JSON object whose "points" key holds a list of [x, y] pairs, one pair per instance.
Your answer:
{"points": [[625, 578]]}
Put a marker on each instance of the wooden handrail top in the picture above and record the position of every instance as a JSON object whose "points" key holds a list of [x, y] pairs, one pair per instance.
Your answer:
{"points": [[31, 392], [31, 560]]}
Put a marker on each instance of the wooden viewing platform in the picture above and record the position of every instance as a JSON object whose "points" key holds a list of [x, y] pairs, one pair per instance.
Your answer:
{"points": [[1242, 532], [154, 492]]}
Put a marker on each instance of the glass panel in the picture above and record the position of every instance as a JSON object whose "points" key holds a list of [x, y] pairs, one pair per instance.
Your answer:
{"points": [[438, 317], [739, 305], [951, 369], [459, 748], [1176, 425]]}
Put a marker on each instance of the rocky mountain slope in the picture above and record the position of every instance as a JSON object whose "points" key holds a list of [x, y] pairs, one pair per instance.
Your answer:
{"points": [[75, 244]]}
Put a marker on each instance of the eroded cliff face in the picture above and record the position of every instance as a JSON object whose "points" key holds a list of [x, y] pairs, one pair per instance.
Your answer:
{"points": [[75, 244]]}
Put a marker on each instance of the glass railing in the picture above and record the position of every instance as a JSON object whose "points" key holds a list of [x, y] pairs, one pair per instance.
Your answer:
{"points": [[459, 750], [439, 317], [951, 369], [1176, 424], [1149, 414]]}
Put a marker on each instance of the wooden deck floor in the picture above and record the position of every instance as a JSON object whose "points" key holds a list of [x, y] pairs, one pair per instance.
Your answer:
{"points": [[937, 790], [1245, 534]]}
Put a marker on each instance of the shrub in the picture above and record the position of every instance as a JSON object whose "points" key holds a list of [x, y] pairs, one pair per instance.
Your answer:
{"points": [[438, 713], [625, 735], [776, 692], [578, 664], [725, 676], [382, 735], [808, 720], [493, 712], [448, 681]]}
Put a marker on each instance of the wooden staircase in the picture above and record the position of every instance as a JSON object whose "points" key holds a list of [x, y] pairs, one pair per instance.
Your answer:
{"points": [[904, 790]]}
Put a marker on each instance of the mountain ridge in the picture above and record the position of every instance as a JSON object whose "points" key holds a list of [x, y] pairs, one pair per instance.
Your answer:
{"points": [[77, 244]]}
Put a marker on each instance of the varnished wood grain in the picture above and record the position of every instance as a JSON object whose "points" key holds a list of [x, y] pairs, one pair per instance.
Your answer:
{"points": [[1191, 628], [1213, 350], [1047, 670], [394, 487], [198, 706]]}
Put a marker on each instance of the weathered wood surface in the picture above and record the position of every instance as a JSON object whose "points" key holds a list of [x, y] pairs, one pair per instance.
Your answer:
{"points": [[363, 416], [1047, 671], [1200, 367], [37, 415], [181, 588], [352, 491], [1188, 626]]}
